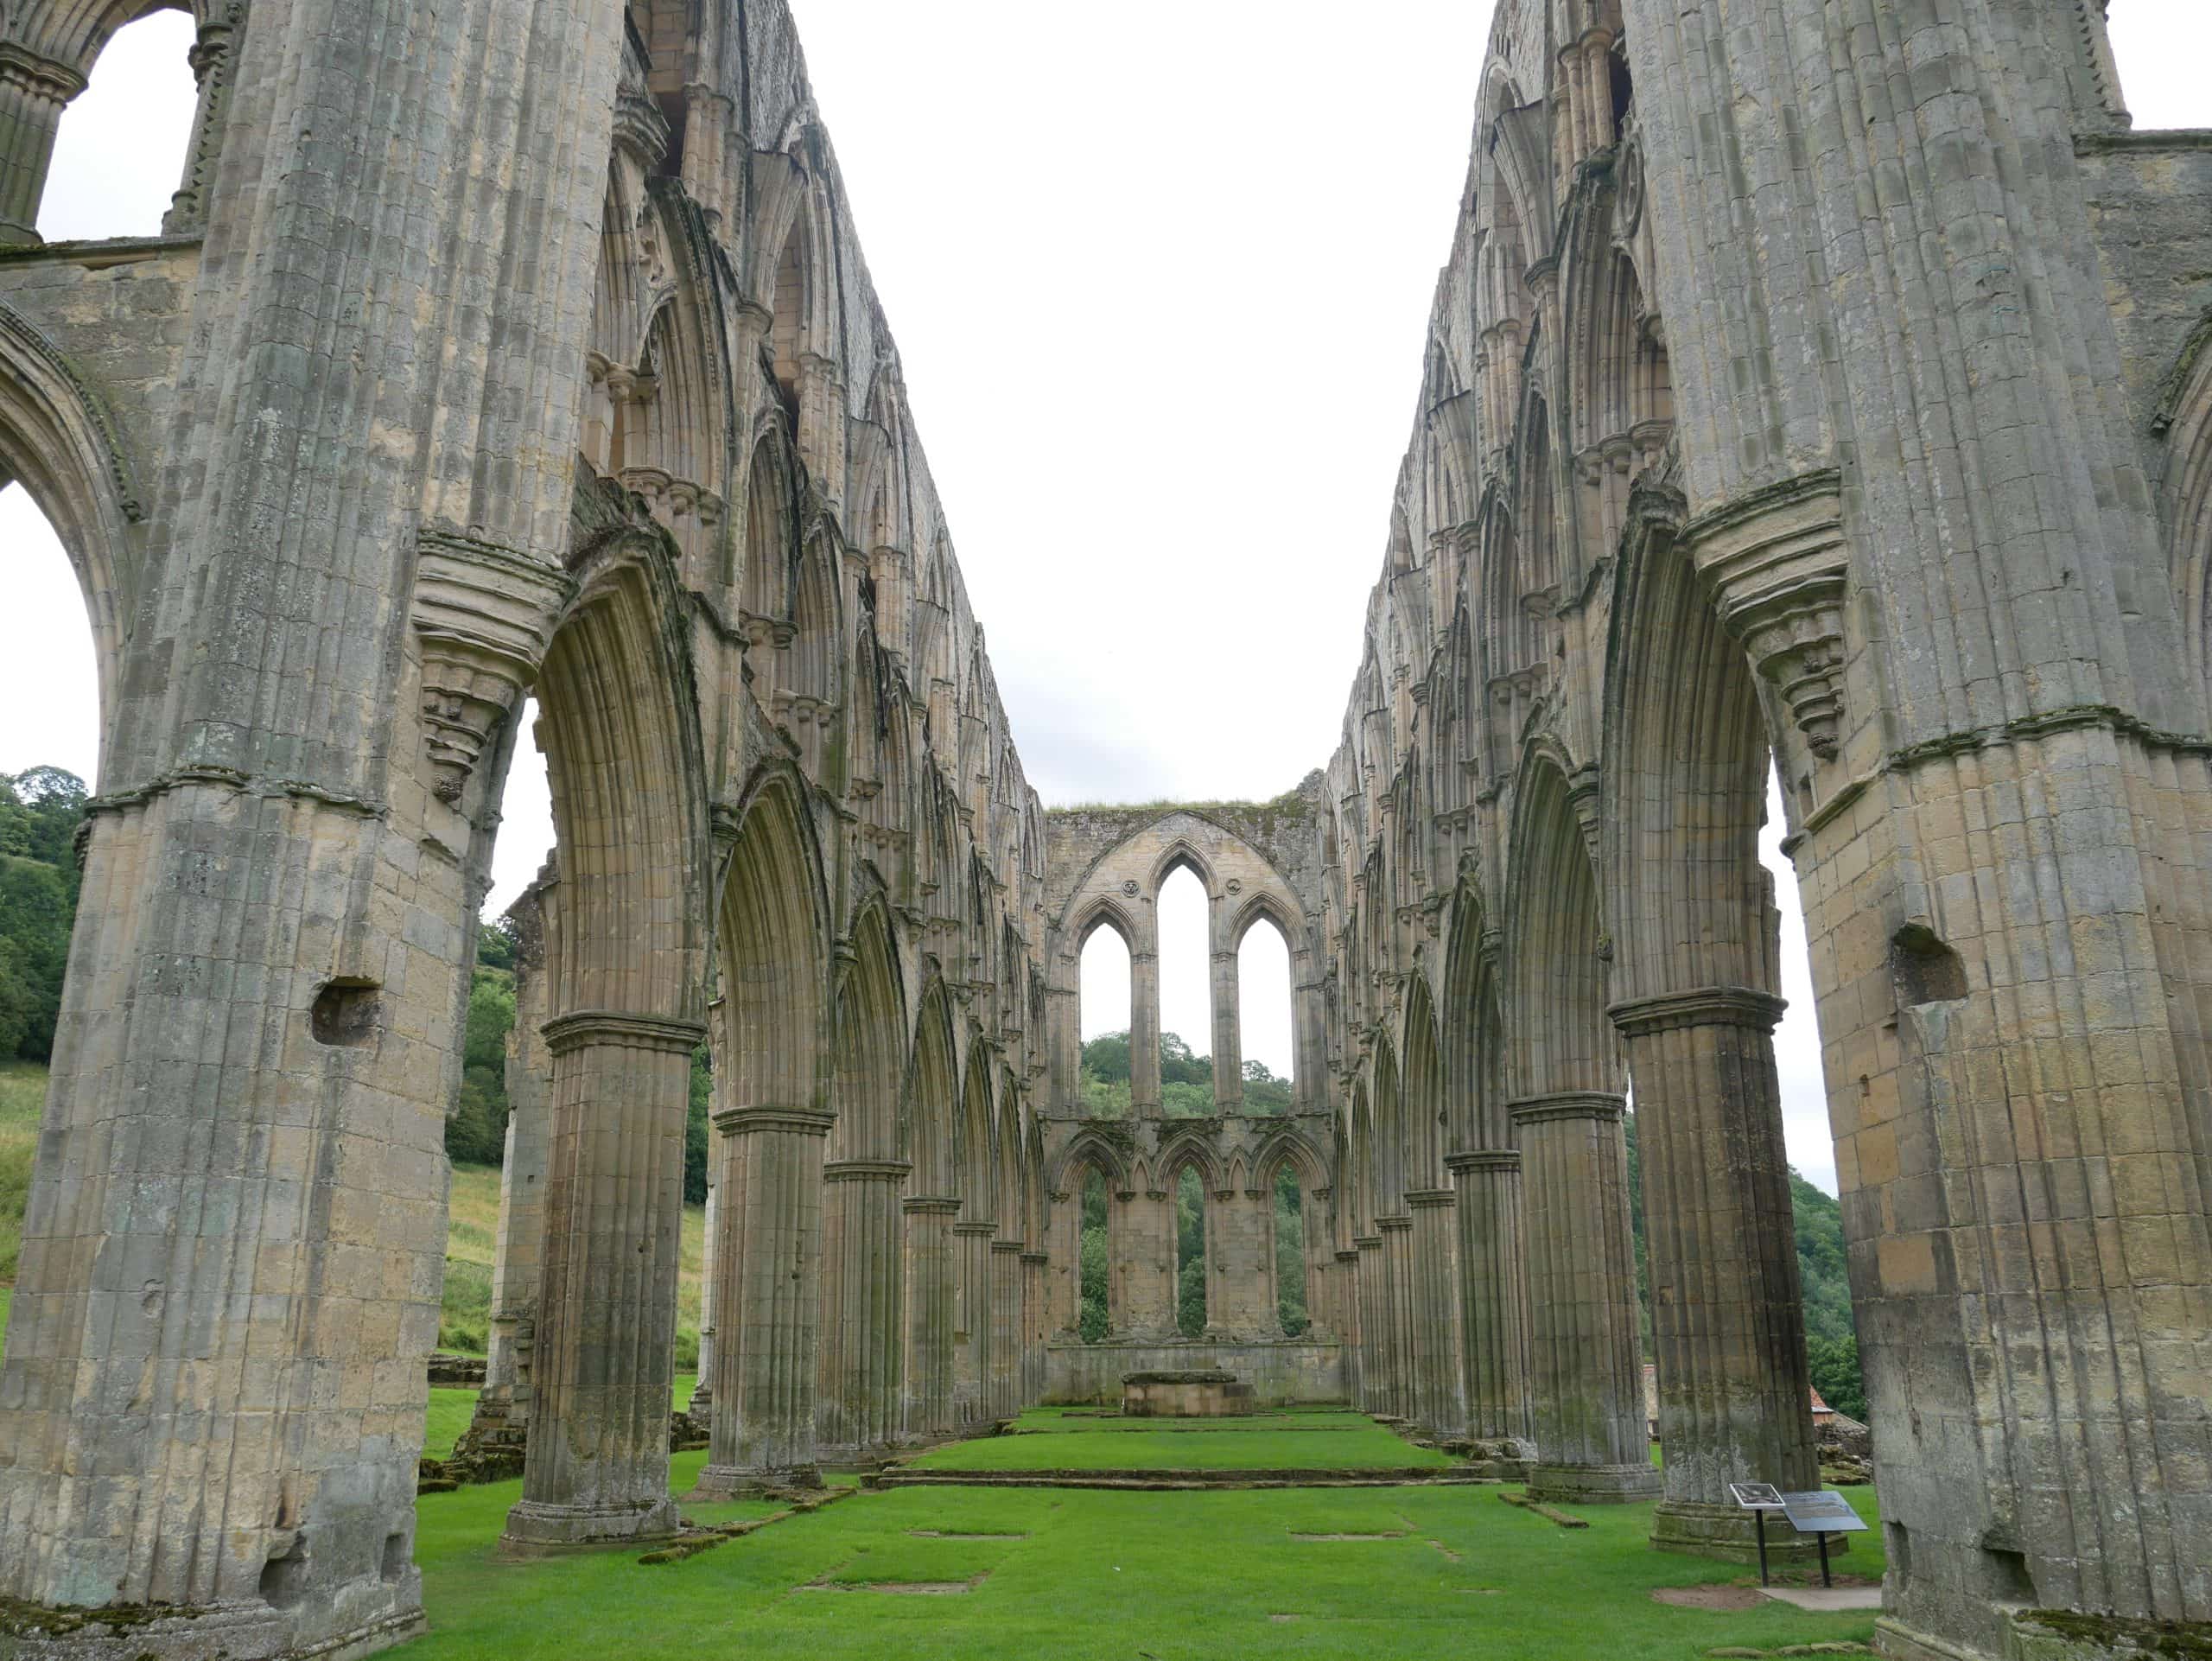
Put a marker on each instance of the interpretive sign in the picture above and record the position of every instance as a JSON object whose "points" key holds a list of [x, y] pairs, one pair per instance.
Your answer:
{"points": [[1757, 1495], [1820, 1511]]}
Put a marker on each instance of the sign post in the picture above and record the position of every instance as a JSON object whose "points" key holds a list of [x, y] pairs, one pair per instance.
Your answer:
{"points": [[1820, 1512], [1758, 1498]]}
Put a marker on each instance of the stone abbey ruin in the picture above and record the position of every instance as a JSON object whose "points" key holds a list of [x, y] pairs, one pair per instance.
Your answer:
{"points": [[1824, 380]]}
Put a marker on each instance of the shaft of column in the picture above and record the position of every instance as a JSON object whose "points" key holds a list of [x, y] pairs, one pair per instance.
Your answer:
{"points": [[1228, 1037], [33, 91], [1493, 1293], [517, 1258], [1398, 1310], [1345, 1294], [1004, 1371], [702, 1395], [1439, 1404], [1720, 1239], [1585, 1381], [1063, 1279], [1036, 1282], [597, 1470], [1144, 1028], [971, 1337], [1373, 1347], [768, 1350], [863, 1336], [929, 1316]]}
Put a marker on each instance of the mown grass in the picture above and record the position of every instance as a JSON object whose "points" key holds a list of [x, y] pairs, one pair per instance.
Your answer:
{"points": [[1043, 1441], [1172, 1576]]}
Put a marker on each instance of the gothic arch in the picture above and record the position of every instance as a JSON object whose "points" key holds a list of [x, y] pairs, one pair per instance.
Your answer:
{"points": [[775, 953], [1556, 1015], [1421, 1089], [870, 1022], [59, 443], [932, 1080]]}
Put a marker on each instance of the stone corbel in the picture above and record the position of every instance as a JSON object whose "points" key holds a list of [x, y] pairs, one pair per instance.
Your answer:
{"points": [[1776, 564], [484, 615]]}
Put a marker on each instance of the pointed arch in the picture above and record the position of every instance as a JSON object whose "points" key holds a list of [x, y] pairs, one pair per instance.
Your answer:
{"points": [[775, 953], [1561, 1039], [932, 1082], [870, 1020], [1421, 1089], [1390, 1141], [974, 1154]]}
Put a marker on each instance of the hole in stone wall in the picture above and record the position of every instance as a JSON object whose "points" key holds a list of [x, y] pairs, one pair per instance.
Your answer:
{"points": [[2007, 1578], [1927, 969], [285, 1579], [345, 1012], [1899, 1540], [395, 1556], [1624, 89]]}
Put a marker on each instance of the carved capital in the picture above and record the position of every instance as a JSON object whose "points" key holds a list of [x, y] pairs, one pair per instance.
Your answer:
{"points": [[1567, 1104], [770, 1116], [484, 615], [1776, 564], [1705, 1006]]}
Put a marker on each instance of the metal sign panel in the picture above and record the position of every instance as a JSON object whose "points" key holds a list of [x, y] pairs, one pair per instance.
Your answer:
{"points": [[1820, 1511], [1757, 1495]]}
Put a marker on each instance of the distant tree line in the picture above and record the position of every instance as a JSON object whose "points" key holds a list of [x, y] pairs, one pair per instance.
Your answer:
{"points": [[1185, 1081]]}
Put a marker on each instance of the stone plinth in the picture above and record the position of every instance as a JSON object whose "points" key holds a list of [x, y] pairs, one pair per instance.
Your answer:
{"points": [[1192, 1393], [1290, 1372]]}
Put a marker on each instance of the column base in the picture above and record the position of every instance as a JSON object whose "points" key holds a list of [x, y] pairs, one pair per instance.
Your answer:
{"points": [[1593, 1484], [538, 1530], [2052, 1635], [245, 1632], [718, 1482], [1731, 1533]]}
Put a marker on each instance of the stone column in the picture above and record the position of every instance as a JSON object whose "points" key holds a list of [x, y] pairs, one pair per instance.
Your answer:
{"points": [[1585, 1381], [1376, 1386], [1063, 1278], [862, 1307], [1144, 1253], [767, 1356], [929, 1316], [1493, 1293], [1036, 1280], [1348, 1335], [1397, 1305], [1228, 1037], [703, 1393], [1144, 1020], [502, 1419], [1439, 1404], [1727, 1313], [33, 91], [1003, 1374], [971, 1320], [597, 1471]]}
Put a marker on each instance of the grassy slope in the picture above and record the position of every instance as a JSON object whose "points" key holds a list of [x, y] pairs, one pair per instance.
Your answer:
{"points": [[1177, 1578], [472, 1230]]}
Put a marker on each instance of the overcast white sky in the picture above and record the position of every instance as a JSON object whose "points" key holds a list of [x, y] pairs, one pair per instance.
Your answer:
{"points": [[1160, 274]]}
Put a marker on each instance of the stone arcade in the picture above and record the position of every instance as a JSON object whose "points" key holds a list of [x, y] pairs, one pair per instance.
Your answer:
{"points": [[1823, 379]]}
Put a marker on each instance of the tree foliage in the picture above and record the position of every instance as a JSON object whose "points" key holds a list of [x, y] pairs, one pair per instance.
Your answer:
{"points": [[1290, 1253], [1189, 1254], [1090, 1323], [40, 810]]}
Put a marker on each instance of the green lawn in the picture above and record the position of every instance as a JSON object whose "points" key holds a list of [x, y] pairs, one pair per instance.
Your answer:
{"points": [[1047, 1441], [1109, 1576], [23, 1097]]}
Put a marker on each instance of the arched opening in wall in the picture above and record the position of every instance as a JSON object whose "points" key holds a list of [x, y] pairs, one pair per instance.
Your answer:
{"points": [[1265, 1020], [1094, 1315], [1290, 1253], [121, 147], [1102, 1018], [787, 325], [1183, 916], [50, 716], [1190, 1253]]}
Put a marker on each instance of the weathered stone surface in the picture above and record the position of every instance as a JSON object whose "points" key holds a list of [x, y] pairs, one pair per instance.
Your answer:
{"points": [[1810, 385]]}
